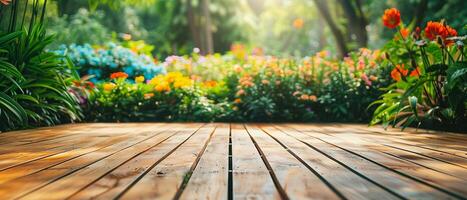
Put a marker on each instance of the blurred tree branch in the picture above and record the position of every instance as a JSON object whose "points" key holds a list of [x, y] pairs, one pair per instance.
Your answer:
{"points": [[323, 8]]}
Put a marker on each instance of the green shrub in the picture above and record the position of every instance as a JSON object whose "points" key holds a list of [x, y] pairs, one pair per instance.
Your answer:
{"points": [[33, 83], [170, 97]]}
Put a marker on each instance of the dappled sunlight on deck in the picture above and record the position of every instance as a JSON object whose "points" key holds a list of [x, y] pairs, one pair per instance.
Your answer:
{"points": [[221, 160]]}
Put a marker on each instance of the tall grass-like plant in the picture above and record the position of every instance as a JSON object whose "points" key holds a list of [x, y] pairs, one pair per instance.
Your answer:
{"points": [[33, 81]]}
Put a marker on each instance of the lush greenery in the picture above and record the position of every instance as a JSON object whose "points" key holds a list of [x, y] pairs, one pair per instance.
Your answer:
{"points": [[151, 60], [431, 73], [250, 88], [33, 83], [101, 61]]}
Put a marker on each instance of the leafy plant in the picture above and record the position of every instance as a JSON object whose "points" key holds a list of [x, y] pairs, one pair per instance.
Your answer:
{"points": [[101, 61], [33, 87], [433, 94]]}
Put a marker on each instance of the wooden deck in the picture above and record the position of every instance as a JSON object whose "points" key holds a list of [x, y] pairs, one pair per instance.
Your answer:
{"points": [[231, 161]]}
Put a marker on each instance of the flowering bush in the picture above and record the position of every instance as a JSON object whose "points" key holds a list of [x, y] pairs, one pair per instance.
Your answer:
{"points": [[430, 72], [171, 97], [249, 88], [102, 61], [317, 88]]}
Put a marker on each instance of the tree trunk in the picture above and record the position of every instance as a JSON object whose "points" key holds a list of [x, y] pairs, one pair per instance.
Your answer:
{"points": [[338, 35], [356, 22], [193, 25], [208, 40], [322, 37]]}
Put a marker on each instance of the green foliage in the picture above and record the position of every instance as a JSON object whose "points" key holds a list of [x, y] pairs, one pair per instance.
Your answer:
{"points": [[33, 90], [246, 88], [79, 28], [123, 101], [33, 83], [434, 93]]}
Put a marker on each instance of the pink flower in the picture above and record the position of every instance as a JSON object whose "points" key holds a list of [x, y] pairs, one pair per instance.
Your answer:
{"points": [[366, 79], [5, 2]]}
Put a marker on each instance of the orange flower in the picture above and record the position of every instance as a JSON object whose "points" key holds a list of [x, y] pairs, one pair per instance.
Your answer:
{"points": [[391, 18], [210, 84], [5, 2], [405, 33], [415, 72], [313, 98], [148, 95], [304, 97], [298, 23], [237, 100], [117, 75], [398, 72], [435, 29]]}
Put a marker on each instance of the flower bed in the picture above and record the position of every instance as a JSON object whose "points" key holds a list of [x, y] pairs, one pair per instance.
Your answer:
{"points": [[250, 88]]}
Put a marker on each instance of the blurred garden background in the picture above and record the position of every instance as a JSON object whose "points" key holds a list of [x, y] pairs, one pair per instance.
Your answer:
{"points": [[397, 62]]}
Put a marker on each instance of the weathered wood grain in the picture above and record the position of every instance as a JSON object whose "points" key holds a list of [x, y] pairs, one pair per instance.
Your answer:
{"points": [[231, 161]]}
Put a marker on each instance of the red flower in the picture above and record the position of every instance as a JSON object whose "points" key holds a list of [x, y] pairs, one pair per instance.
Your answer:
{"points": [[90, 85], [5, 2], [391, 18], [415, 72], [118, 75], [435, 29], [398, 72]]}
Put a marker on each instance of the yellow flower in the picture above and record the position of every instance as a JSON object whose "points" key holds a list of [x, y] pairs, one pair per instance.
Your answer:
{"points": [[172, 76], [109, 86], [139, 79], [322, 54], [164, 86], [156, 80]]}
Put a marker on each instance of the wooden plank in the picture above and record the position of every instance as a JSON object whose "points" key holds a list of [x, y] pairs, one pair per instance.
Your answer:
{"points": [[78, 180], [452, 185], [29, 183], [431, 138], [395, 182], [350, 184], [417, 158], [115, 182], [27, 156], [439, 161], [164, 180], [296, 181], [28, 153], [29, 134], [414, 141], [42, 164], [251, 178], [209, 180]]}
